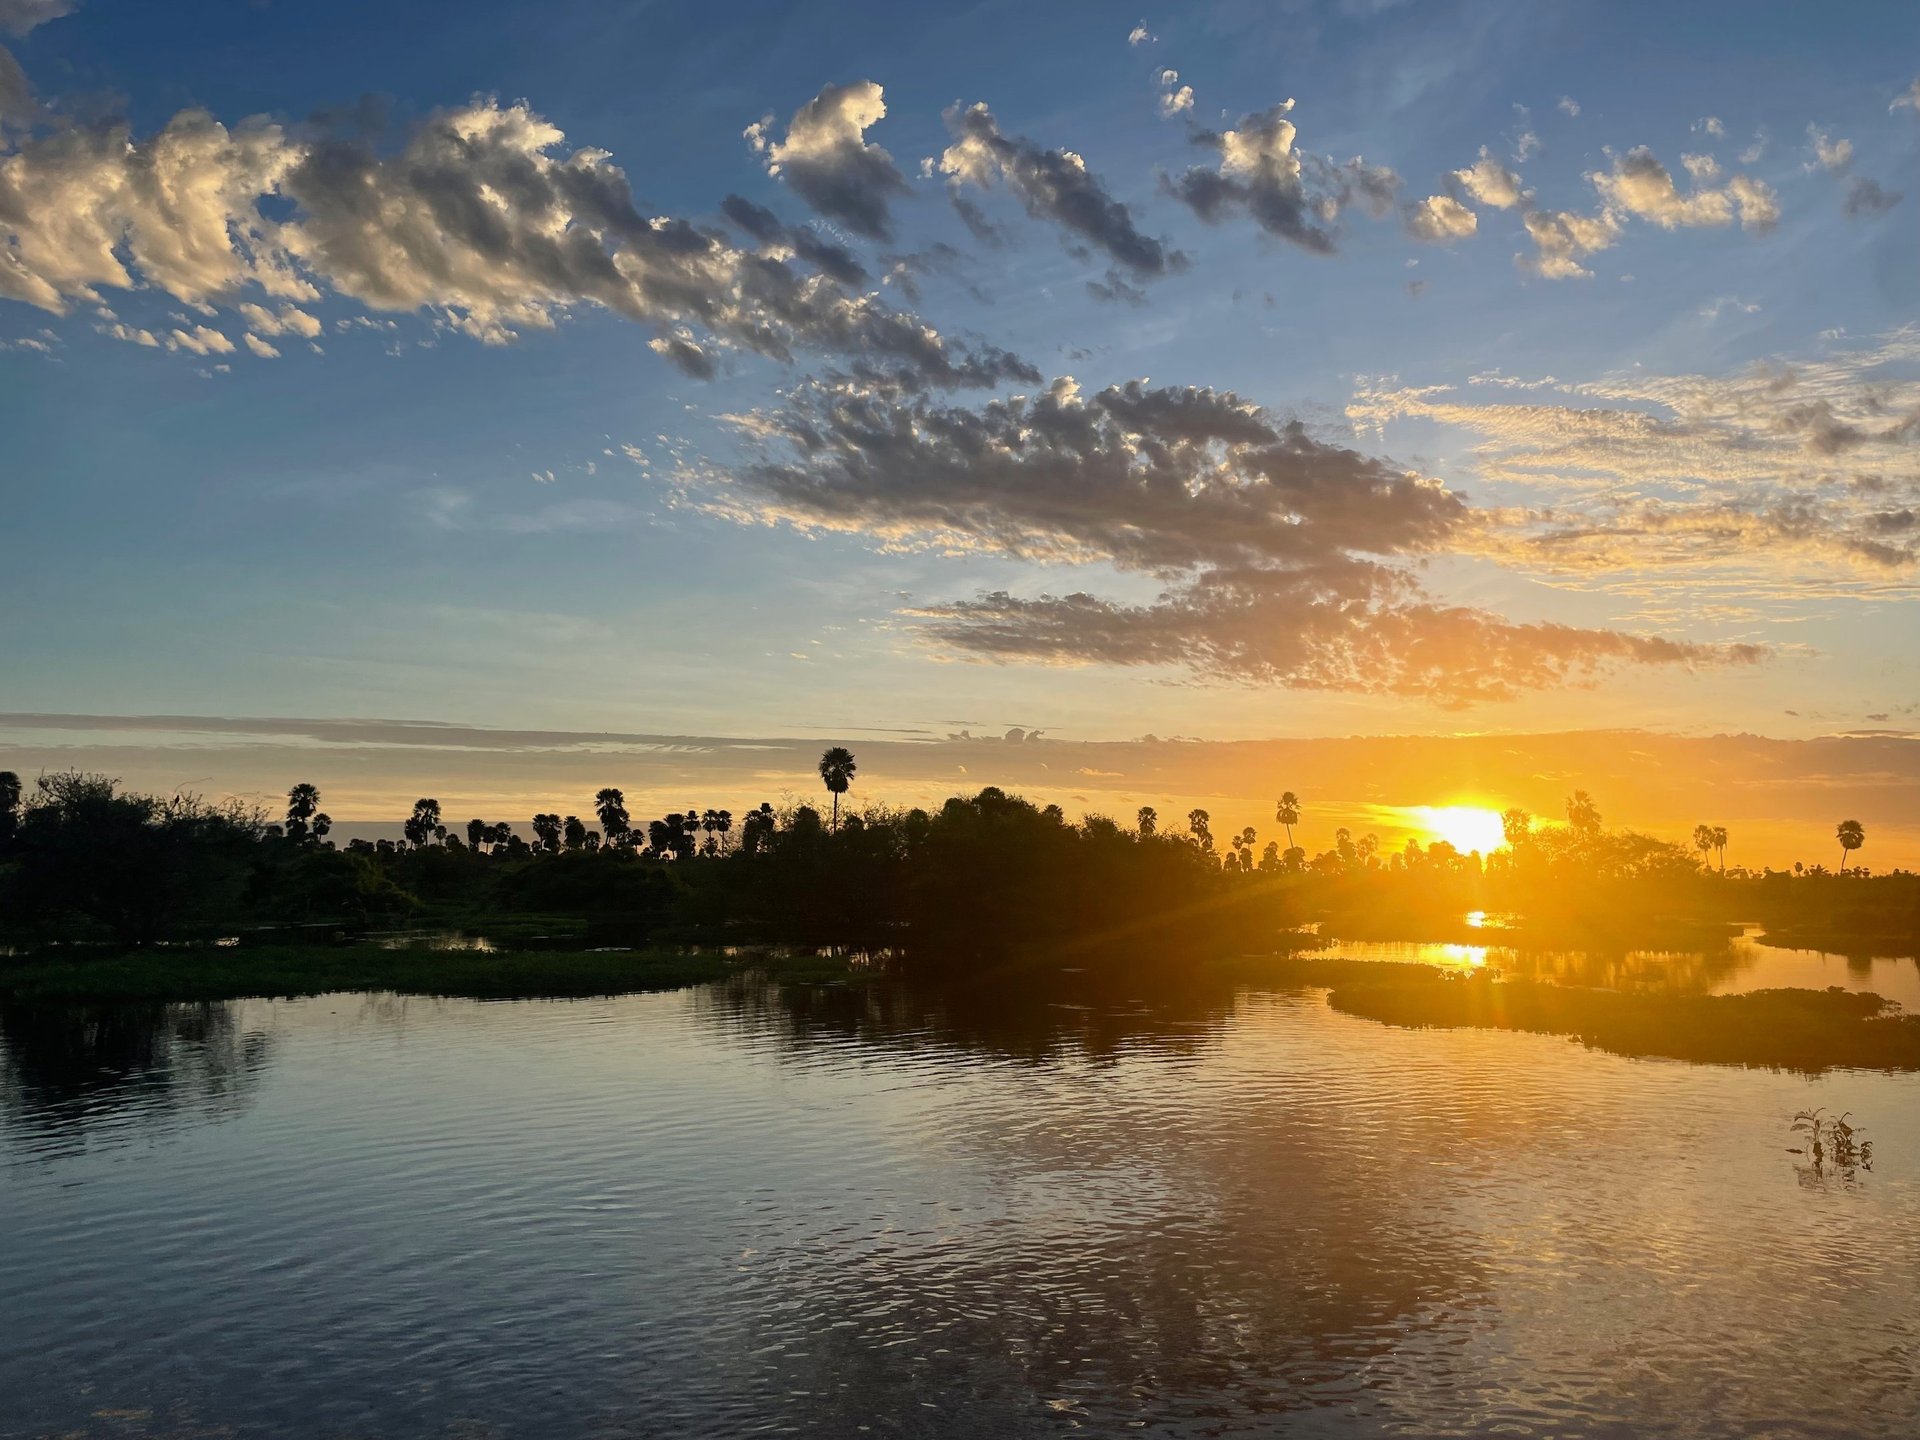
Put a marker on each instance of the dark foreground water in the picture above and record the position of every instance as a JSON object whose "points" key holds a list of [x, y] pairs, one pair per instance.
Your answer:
{"points": [[728, 1212]]}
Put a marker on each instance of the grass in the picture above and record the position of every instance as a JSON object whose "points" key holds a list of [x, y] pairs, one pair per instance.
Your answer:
{"points": [[292, 970]]}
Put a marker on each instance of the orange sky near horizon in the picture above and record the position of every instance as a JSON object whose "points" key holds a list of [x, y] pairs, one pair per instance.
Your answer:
{"points": [[1779, 799]]}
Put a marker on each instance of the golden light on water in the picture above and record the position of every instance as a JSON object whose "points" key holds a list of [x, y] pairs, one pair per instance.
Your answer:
{"points": [[1465, 827]]}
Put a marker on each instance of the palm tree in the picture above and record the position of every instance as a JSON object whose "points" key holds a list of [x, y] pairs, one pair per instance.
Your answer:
{"points": [[1720, 844], [1516, 827], [1149, 821], [1287, 813], [611, 806], [1852, 835], [1583, 816], [836, 773], [1703, 840], [302, 801], [1200, 824], [423, 822]]}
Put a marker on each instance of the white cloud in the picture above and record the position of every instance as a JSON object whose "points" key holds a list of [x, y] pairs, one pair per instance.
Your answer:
{"points": [[291, 320], [1908, 99], [1561, 238], [133, 336], [1569, 106], [1440, 218], [1139, 35], [1833, 156], [1703, 168], [1709, 125], [1488, 182], [260, 347], [199, 341], [1174, 97]]}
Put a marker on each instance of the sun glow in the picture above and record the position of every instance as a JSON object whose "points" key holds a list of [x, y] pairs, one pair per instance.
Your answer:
{"points": [[1465, 827]]}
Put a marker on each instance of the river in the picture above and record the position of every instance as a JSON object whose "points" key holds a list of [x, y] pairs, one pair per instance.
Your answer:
{"points": [[732, 1210]]}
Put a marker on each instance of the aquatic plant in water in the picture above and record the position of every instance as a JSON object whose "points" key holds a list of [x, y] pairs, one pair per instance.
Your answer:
{"points": [[1833, 1142]]}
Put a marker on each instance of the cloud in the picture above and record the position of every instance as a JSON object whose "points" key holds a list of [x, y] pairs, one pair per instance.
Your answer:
{"points": [[16, 92], [131, 334], [291, 320], [1488, 182], [482, 217], [1703, 168], [1866, 198], [1709, 125], [1833, 156], [1561, 238], [1139, 35], [17, 17], [1640, 185], [1054, 186], [1286, 560], [826, 160], [1295, 196], [1289, 630], [1771, 480], [1907, 99], [260, 347], [1569, 107], [1174, 97], [199, 341], [1440, 218], [833, 260]]}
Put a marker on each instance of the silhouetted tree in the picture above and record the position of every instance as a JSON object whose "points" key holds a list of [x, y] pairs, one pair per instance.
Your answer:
{"points": [[1200, 826], [1583, 816], [611, 806], [576, 833], [1148, 822], [1703, 841], [303, 802], [423, 823], [1287, 813], [1852, 835], [9, 807], [546, 833], [478, 833], [1516, 827], [1720, 844], [837, 767]]}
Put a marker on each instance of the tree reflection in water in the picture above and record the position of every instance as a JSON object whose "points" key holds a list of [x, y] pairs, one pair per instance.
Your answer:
{"points": [[75, 1071]]}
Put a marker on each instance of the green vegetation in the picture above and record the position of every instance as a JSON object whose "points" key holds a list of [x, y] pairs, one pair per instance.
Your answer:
{"points": [[1804, 1030]]}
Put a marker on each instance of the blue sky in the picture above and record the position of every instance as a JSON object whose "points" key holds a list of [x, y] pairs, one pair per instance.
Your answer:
{"points": [[371, 530]]}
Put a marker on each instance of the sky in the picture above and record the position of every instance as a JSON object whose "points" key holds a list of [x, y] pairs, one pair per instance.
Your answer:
{"points": [[1233, 374]]}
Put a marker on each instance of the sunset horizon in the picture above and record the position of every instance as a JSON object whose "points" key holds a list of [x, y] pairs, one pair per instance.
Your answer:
{"points": [[964, 720]]}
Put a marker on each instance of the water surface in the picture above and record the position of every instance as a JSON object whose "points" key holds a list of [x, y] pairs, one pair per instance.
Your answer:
{"points": [[729, 1210]]}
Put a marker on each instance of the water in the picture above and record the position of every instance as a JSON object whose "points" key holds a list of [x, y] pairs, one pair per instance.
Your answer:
{"points": [[730, 1211]]}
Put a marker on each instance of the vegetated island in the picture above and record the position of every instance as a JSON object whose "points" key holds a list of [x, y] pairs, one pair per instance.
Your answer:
{"points": [[107, 895]]}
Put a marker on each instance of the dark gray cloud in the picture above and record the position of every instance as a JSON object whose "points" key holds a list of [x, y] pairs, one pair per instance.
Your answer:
{"points": [[1054, 186], [826, 160], [828, 257], [1294, 196], [16, 93], [1866, 198], [17, 17], [1311, 632], [1288, 560]]}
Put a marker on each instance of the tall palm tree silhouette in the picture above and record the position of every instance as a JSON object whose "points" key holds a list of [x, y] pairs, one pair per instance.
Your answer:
{"points": [[836, 773], [1852, 835], [1287, 813], [1703, 840], [1720, 844]]}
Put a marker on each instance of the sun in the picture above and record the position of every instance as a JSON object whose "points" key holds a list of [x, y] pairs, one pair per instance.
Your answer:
{"points": [[1465, 827]]}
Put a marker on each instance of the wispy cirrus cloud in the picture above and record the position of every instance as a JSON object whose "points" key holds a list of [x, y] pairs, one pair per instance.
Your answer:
{"points": [[1794, 470]]}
